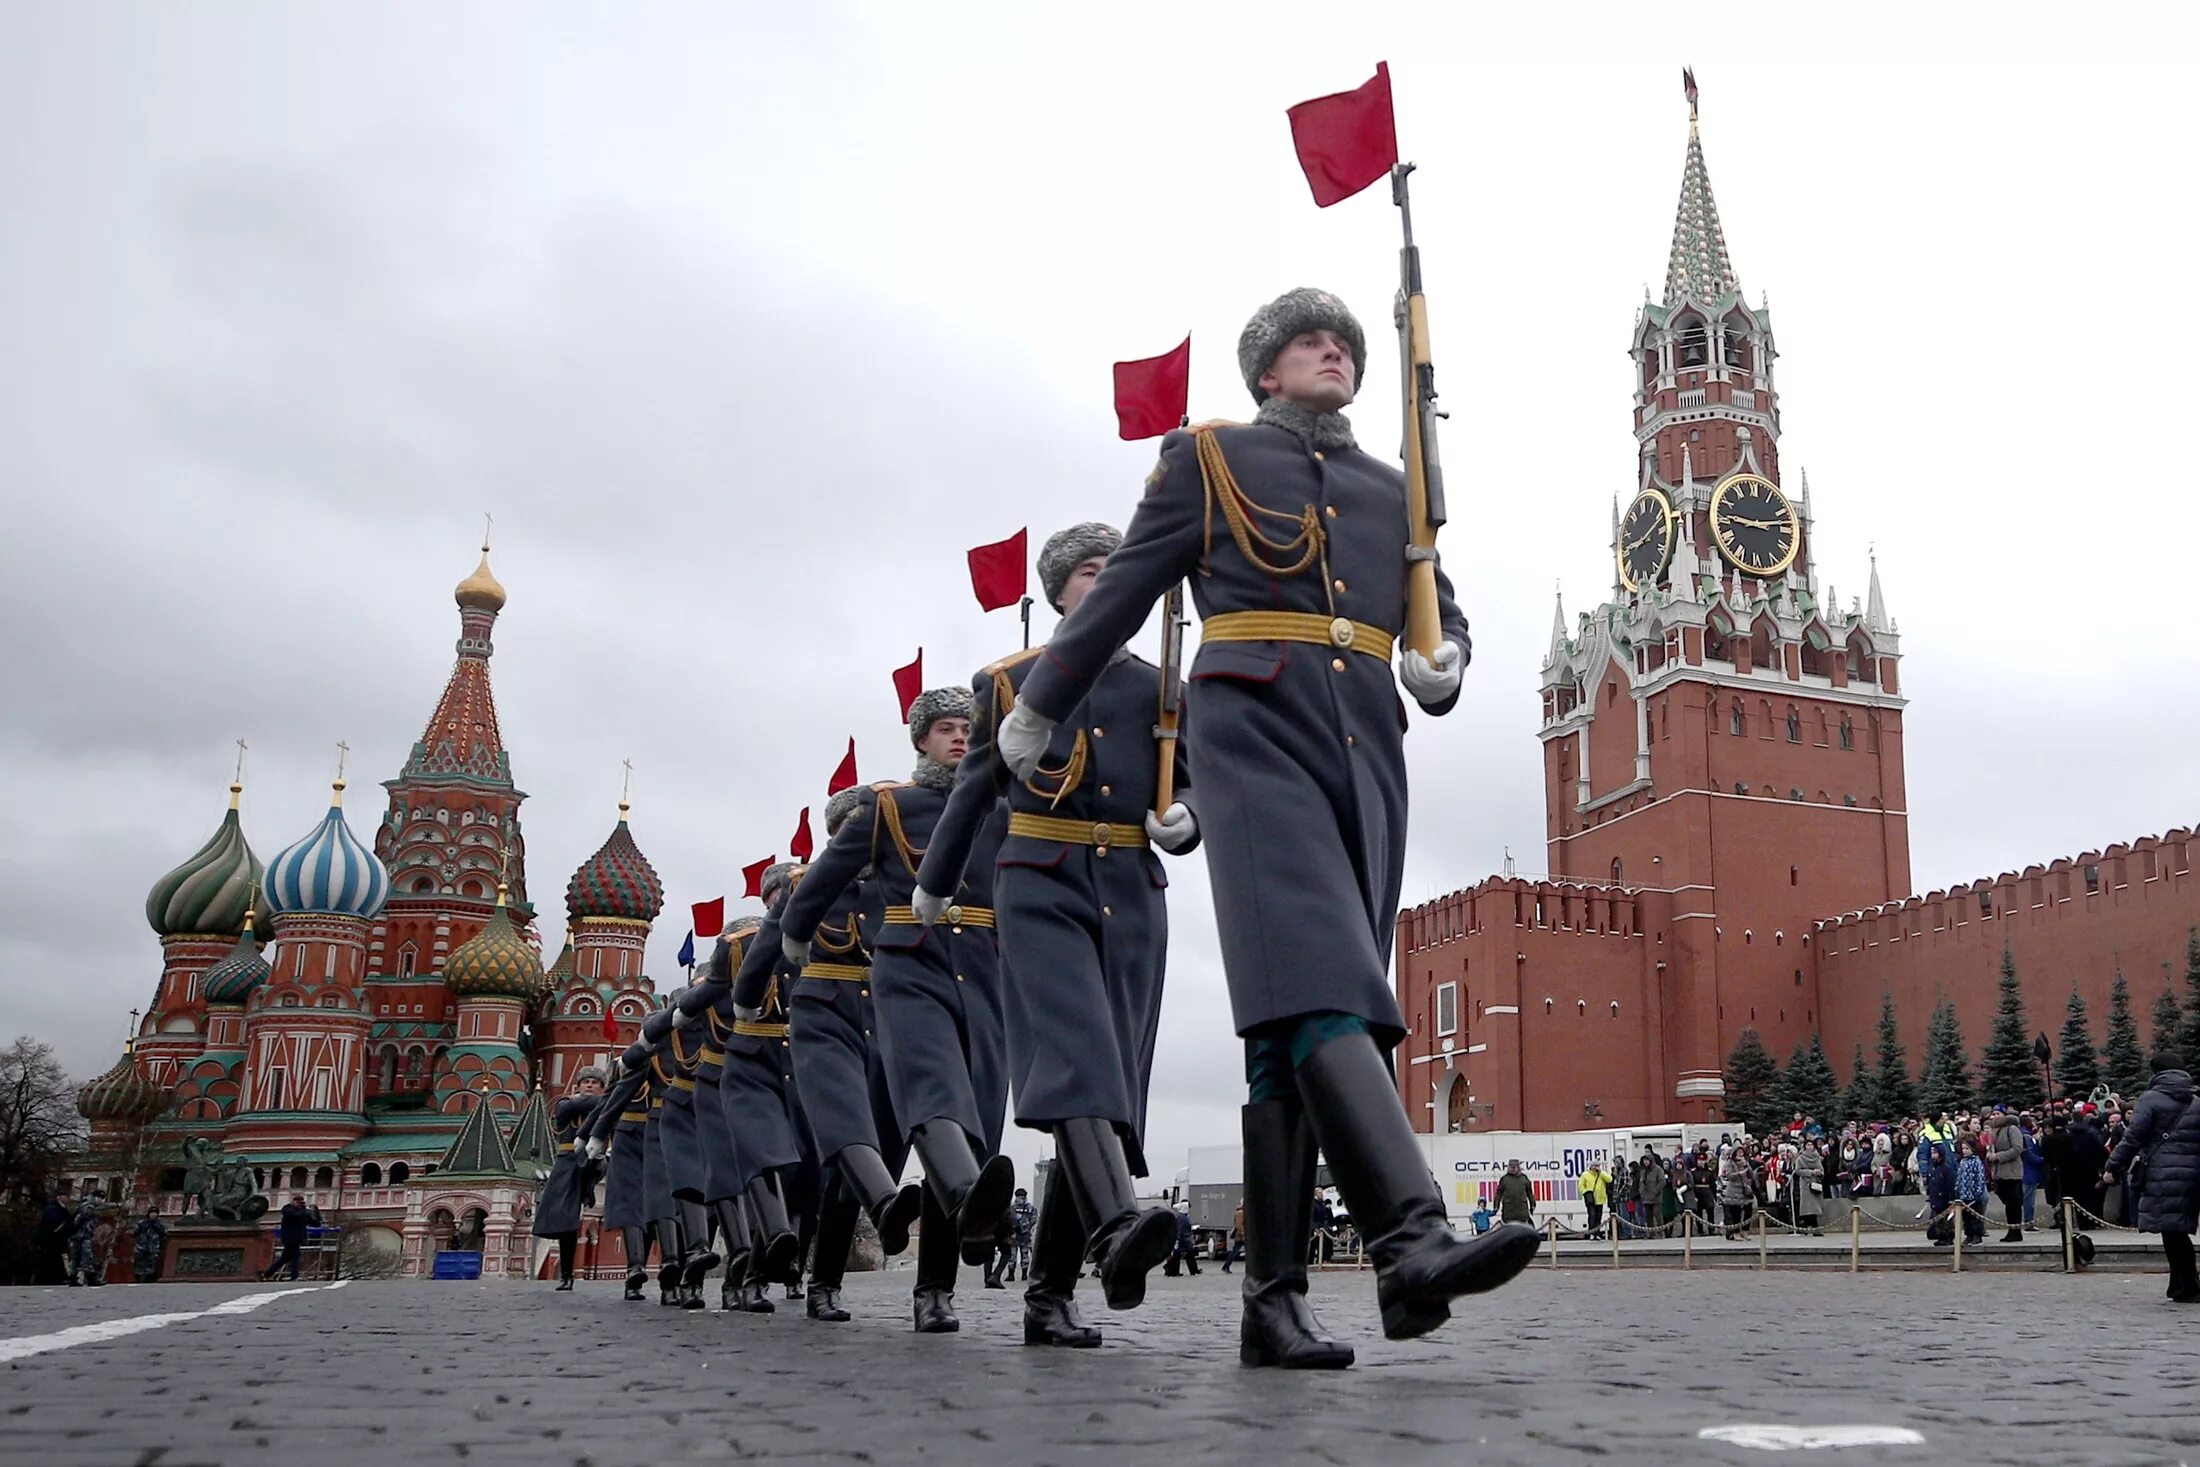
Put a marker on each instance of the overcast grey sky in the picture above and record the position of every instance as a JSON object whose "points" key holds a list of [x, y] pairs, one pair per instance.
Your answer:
{"points": [[745, 321]]}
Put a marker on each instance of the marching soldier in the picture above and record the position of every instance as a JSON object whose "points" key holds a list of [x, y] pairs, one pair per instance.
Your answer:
{"points": [[617, 1127], [685, 1171], [569, 1187], [937, 996], [709, 1004], [1298, 736], [1084, 935]]}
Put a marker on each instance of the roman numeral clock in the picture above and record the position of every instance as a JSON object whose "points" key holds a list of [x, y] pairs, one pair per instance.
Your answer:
{"points": [[1754, 526]]}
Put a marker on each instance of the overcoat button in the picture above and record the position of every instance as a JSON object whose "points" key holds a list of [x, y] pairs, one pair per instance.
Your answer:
{"points": [[1107, 789], [1331, 511], [1319, 454], [1336, 664], [1338, 583]]}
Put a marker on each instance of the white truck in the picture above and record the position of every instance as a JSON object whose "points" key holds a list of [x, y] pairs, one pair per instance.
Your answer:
{"points": [[1467, 1168]]}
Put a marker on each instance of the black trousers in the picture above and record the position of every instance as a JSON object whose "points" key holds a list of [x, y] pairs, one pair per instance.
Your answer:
{"points": [[1596, 1216], [288, 1258], [2182, 1277], [2011, 1193]]}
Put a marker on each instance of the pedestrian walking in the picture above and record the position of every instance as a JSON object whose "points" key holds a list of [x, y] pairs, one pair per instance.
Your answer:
{"points": [[290, 1235], [1515, 1196], [147, 1240], [2161, 1144]]}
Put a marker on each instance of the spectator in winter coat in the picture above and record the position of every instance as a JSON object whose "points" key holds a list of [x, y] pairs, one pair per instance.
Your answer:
{"points": [[1939, 1177], [2165, 1130], [1623, 1196], [1971, 1191], [1596, 1194], [2005, 1162], [2035, 1167], [1515, 1198], [1737, 1188], [1810, 1189], [2088, 1158]]}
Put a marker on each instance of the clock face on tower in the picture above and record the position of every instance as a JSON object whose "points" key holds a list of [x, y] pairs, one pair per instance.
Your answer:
{"points": [[1754, 526], [1645, 539]]}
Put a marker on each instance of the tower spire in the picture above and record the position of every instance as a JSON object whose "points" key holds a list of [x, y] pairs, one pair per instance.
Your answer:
{"points": [[1875, 602], [1697, 266], [1558, 624]]}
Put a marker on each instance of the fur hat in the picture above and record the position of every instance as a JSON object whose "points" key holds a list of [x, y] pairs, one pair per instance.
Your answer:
{"points": [[1068, 549], [1275, 325], [590, 1072], [932, 705], [840, 807], [777, 878]]}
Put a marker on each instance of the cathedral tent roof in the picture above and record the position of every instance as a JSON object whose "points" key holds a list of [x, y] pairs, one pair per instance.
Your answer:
{"points": [[478, 1150]]}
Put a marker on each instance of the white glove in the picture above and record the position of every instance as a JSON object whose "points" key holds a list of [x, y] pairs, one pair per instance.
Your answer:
{"points": [[1432, 679], [927, 906], [1022, 740], [689, 1021], [794, 952], [747, 1014], [595, 1148], [1174, 830]]}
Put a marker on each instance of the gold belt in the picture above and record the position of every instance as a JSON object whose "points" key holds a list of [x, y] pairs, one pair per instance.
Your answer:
{"points": [[956, 916], [636, 1116], [1098, 834], [711, 1056], [683, 1082], [766, 1031], [565, 1148], [839, 972], [1298, 626]]}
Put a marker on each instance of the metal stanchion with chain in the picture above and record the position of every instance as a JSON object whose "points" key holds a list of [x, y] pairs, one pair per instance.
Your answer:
{"points": [[1688, 1240], [1856, 1236]]}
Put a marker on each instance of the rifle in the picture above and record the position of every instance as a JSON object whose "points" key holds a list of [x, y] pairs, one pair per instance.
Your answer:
{"points": [[1425, 509], [1172, 697]]}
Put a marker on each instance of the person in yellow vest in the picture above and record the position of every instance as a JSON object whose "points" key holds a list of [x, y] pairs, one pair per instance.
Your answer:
{"points": [[1596, 1195]]}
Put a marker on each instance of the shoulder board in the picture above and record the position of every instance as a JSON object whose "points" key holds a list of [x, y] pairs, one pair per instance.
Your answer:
{"points": [[1015, 659], [1213, 423], [888, 786]]}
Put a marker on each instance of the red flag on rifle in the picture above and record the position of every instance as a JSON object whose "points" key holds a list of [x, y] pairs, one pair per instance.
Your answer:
{"points": [[1346, 140], [610, 1025], [752, 876], [801, 846], [710, 918], [844, 773], [908, 682], [1154, 394], [997, 574]]}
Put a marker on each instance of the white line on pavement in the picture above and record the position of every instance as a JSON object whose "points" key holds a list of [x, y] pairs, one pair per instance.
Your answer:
{"points": [[115, 1329], [1805, 1438]]}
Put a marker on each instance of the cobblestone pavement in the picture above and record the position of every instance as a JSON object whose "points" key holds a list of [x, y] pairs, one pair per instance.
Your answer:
{"points": [[1565, 1366]]}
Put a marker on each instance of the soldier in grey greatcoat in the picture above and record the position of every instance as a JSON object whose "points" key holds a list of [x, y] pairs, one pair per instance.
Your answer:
{"points": [[707, 1008], [681, 1141], [937, 995], [617, 1129], [1295, 727], [1084, 933], [568, 1187]]}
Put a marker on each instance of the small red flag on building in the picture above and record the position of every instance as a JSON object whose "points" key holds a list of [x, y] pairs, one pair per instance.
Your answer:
{"points": [[610, 1024], [710, 918], [1346, 140], [1154, 394], [801, 846], [997, 573], [752, 876], [908, 682], [844, 773]]}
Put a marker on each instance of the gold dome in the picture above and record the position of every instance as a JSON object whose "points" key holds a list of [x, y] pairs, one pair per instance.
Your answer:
{"points": [[481, 590]]}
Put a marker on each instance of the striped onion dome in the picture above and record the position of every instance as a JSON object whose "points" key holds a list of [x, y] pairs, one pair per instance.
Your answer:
{"points": [[617, 881], [497, 963], [232, 980], [122, 1094], [211, 892], [328, 871]]}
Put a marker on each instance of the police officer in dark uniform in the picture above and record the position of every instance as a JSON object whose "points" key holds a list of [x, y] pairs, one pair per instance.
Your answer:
{"points": [[570, 1185], [616, 1130], [1084, 934], [1297, 732], [937, 996]]}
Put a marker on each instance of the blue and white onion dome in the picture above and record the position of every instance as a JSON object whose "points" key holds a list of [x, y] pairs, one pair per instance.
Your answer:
{"points": [[329, 871]]}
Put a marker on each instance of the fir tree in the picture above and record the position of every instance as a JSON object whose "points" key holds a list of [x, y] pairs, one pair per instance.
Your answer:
{"points": [[1808, 1085], [2125, 1062], [1860, 1102], [1752, 1075], [1894, 1093], [2009, 1073], [2077, 1070], [2188, 1033], [1945, 1083], [2169, 1021]]}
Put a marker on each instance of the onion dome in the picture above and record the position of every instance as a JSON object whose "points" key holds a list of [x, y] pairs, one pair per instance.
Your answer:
{"points": [[122, 1094], [498, 963], [480, 591], [211, 892], [617, 881], [328, 871], [232, 980]]}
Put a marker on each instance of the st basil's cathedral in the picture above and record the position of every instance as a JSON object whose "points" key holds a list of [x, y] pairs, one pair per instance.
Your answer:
{"points": [[370, 1025]]}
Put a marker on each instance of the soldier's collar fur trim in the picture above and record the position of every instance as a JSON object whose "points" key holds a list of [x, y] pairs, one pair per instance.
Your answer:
{"points": [[932, 774], [1315, 430]]}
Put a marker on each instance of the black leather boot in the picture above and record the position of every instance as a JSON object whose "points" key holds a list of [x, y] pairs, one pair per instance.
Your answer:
{"points": [[1278, 1326], [671, 1249], [892, 1207], [637, 1261], [1127, 1243], [1057, 1258], [1420, 1267], [566, 1242], [776, 1245], [733, 1241], [699, 1259], [975, 1197], [836, 1233], [937, 1248], [753, 1298]]}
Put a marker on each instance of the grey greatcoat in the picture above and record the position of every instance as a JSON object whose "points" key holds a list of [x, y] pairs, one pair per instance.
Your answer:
{"points": [[757, 1089], [568, 1188], [838, 1071], [657, 1200], [713, 1133], [683, 1150], [619, 1121], [1300, 748], [936, 990], [1084, 929]]}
